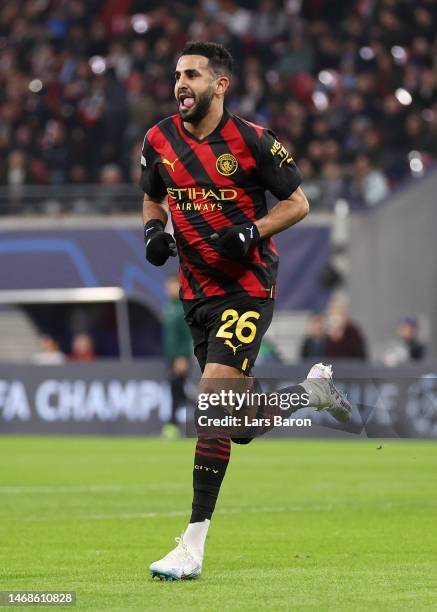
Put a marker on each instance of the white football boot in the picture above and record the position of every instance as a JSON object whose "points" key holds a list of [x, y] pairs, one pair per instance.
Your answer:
{"points": [[181, 563], [323, 394]]}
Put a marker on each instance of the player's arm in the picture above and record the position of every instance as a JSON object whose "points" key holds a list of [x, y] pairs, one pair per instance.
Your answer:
{"points": [[285, 214], [154, 208], [160, 245]]}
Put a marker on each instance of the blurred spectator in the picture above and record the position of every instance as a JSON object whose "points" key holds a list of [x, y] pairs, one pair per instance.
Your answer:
{"points": [[82, 348], [177, 352], [315, 343], [369, 185], [268, 353], [297, 56], [17, 169], [55, 152], [49, 353], [81, 82], [236, 18], [345, 339], [333, 185], [407, 347], [268, 23], [110, 174], [109, 195]]}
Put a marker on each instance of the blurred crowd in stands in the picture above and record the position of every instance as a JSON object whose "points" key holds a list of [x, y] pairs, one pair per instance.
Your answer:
{"points": [[334, 335], [50, 352], [350, 87]]}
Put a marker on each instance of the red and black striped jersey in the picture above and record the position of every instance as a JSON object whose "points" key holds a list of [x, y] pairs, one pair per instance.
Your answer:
{"points": [[211, 183]]}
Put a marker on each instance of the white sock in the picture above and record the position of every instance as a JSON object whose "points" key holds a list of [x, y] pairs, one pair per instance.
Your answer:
{"points": [[195, 535]]}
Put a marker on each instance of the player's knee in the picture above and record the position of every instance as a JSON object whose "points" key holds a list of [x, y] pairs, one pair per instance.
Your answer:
{"points": [[242, 440], [217, 377], [220, 371]]}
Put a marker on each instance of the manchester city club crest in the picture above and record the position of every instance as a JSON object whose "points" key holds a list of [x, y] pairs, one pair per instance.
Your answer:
{"points": [[226, 164]]}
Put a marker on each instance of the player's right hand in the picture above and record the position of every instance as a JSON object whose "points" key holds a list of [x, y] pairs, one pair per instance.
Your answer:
{"points": [[160, 245], [237, 240]]}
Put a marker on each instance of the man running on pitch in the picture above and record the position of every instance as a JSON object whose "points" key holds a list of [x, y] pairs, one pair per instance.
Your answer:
{"points": [[213, 168]]}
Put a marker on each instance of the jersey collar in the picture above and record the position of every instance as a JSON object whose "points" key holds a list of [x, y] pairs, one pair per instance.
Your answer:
{"points": [[219, 126]]}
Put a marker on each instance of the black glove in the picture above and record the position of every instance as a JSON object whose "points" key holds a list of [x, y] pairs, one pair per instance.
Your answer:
{"points": [[237, 240], [159, 244]]}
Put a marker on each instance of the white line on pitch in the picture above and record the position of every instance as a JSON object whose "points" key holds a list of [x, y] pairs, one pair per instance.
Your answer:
{"points": [[254, 510], [85, 488], [158, 514]]}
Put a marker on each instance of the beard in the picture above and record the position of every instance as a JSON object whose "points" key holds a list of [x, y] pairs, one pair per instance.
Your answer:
{"points": [[200, 110]]}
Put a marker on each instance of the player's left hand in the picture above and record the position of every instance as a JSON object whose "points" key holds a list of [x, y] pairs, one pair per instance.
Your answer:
{"points": [[160, 245], [237, 240]]}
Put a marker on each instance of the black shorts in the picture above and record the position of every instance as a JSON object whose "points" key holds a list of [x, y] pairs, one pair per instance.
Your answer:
{"points": [[228, 330]]}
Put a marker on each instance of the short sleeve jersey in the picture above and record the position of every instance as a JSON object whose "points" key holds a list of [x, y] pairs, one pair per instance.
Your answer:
{"points": [[211, 183]]}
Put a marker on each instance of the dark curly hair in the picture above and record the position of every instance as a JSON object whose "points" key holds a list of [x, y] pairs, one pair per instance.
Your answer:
{"points": [[220, 60]]}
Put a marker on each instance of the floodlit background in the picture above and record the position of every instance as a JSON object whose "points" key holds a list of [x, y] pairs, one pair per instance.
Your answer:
{"points": [[350, 88]]}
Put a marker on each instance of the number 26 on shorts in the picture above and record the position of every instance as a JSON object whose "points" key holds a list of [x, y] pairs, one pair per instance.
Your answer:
{"points": [[245, 329]]}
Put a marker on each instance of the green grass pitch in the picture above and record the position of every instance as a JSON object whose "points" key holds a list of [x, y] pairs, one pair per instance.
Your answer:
{"points": [[300, 525]]}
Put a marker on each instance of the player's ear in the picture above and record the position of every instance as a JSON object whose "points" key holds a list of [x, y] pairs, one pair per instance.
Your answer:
{"points": [[222, 85]]}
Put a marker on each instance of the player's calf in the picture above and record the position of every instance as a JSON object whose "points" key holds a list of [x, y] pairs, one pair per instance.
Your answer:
{"points": [[317, 391]]}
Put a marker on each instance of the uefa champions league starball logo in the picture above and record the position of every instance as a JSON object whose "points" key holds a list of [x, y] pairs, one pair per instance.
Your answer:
{"points": [[422, 405]]}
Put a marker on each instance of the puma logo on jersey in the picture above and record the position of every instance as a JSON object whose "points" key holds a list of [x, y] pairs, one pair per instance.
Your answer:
{"points": [[234, 348], [169, 163]]}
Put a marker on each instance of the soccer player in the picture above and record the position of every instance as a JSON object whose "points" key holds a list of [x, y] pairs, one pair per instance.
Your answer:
{"points": [[213, 168]]}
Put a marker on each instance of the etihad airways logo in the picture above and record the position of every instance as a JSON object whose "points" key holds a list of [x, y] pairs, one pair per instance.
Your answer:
{"points": [[199, 199], [282, 153], [198, 206], [200, 193]]}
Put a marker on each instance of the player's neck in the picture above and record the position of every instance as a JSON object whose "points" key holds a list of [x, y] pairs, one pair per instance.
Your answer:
{"points": [[207, 125]]}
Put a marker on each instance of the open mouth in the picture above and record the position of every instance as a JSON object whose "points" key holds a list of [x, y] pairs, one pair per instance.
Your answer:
{"points": [[186, 101]]}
